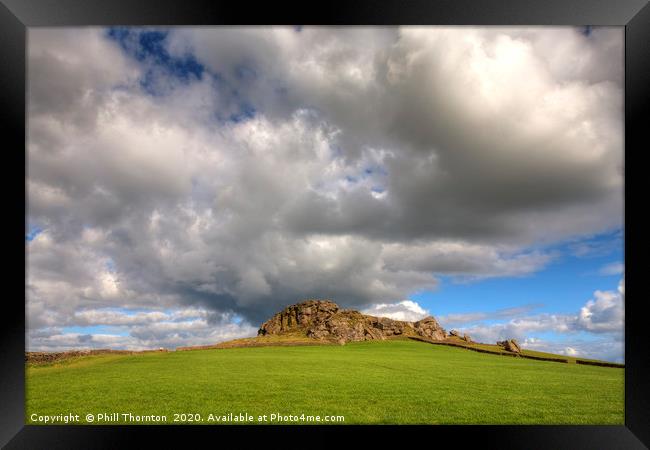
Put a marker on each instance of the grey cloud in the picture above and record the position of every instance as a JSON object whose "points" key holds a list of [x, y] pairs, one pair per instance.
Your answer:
{"points": [[85, 338], [62, 82], [458, 258]]}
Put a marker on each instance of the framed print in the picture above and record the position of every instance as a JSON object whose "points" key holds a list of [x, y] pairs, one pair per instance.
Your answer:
{"points": [[413, 217]]}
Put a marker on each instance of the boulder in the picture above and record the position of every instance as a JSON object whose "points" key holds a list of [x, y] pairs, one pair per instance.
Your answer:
{"points": [[324, 320], [510, 345], [430, 328]]}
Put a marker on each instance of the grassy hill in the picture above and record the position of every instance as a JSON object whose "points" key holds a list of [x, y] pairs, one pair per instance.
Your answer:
{"points": [[395, 381]]}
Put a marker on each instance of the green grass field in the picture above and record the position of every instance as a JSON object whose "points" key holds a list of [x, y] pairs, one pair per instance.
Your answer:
{"points": [[385, 382]]}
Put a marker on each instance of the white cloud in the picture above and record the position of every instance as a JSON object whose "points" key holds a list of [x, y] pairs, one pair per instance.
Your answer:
{"points": [[604, 313], [407, 310], [615, 268], [570, 351]]}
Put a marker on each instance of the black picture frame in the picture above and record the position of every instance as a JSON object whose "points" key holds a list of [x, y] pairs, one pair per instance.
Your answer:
{"points": [[17, 15]]}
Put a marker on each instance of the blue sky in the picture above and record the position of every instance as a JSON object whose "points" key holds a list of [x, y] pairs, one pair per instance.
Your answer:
{"points": [[561, 287], [150, 47], [32, 233], [191, 181]]}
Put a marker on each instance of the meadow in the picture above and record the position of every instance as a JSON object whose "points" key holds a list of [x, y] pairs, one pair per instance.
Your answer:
{"points": [[374, 382]]}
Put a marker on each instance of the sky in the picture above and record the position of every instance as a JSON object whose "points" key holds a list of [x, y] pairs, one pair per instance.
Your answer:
{"points": [[184, 184]]}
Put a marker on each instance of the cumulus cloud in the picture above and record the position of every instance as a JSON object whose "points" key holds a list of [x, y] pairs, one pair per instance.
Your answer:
{"points": [[405, 310], [604, 313], [238, 170]]}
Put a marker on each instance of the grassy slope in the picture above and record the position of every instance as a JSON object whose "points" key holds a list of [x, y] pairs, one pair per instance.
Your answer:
{"points": [[367, 382]]}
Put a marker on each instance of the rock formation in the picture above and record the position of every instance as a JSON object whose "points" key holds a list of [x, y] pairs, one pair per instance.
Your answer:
{"points": [[323, 319], [510, 345]]}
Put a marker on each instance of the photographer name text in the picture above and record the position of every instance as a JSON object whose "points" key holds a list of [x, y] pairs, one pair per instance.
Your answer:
{"points": [[230, 417]]}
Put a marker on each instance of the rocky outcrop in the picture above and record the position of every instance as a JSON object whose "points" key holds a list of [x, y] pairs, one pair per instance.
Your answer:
{"points": [[323, 319], [510, 345]]}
